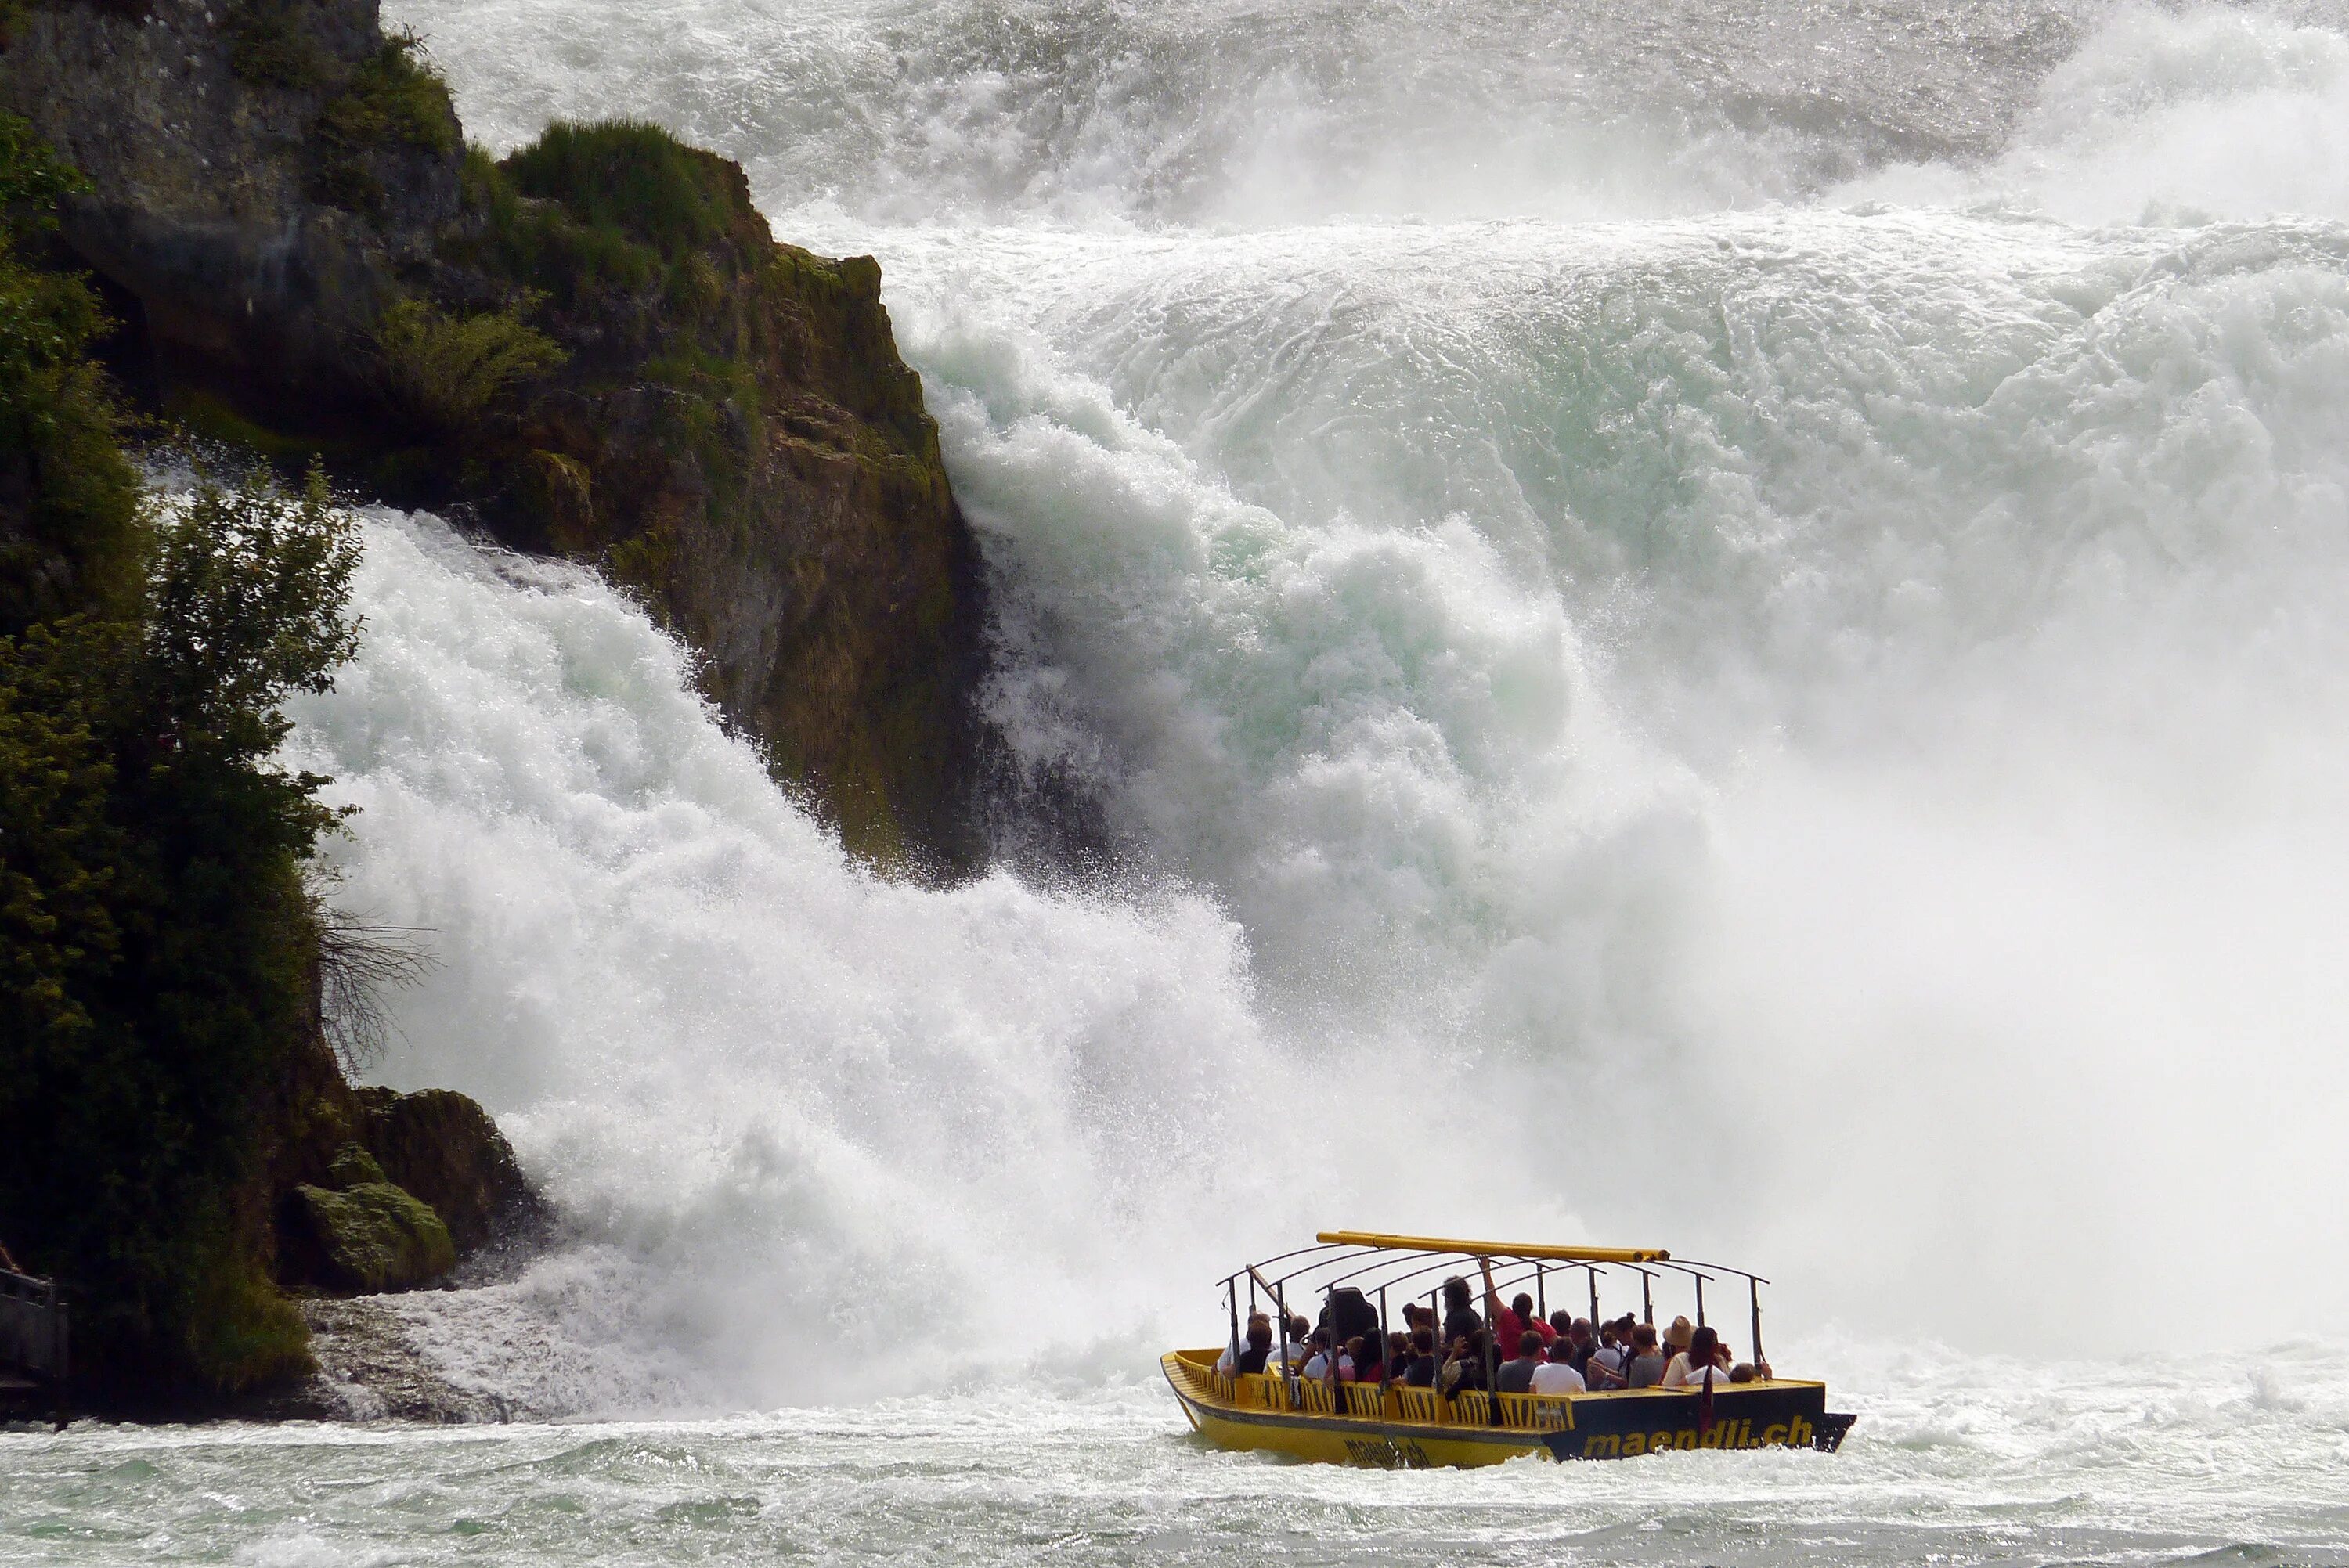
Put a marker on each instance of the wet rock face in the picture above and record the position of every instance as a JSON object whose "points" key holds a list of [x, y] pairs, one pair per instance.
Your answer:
{"points": [[443, 1147], [371, 1189], [722, 424], [260, 173], [370, 1237]]}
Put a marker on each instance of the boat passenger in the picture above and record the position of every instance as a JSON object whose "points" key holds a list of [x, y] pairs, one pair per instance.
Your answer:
{"points": [[1361, 1363], [1741, 1373], [1466, 1369], [1703, 1355], [1419, 1371], [1459, 1310], [1293, 1353], [1645, 1368], [1524, 1307], [1558, 1375], [1320, 1366], [1579, 1345], [1604, 1366], [1249, 1357], [1510, 1321], [1561, 1323], [1516, 1374]]}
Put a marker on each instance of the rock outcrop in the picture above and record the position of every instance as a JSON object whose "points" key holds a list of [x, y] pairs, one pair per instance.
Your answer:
{"points": [[368, 1237], [594, 348], [371, 1189], [443, 1147]]}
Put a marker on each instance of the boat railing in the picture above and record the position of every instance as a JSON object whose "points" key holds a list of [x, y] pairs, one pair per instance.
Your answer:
{"points": [[1393, 1401], [1537, 1412], [35, 1360], [1419, 1404]]}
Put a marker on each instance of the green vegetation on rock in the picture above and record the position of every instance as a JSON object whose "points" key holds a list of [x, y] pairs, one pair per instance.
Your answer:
{"points": [[354, 1166], [443, 1147], [70, 521], [157, 936], [631, 178], [375, 1236], [269, 47], [393, 100], [445, 371]]}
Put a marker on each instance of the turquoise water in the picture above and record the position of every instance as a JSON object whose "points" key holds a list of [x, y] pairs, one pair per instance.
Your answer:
{"points": [[2229, 1459]]}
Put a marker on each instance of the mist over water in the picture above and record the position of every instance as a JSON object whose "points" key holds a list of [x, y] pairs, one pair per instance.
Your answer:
{"points": [[1713, 626]]}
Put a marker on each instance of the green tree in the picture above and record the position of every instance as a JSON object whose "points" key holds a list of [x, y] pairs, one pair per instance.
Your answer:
{"points": [[159, 944], [157, 933]]}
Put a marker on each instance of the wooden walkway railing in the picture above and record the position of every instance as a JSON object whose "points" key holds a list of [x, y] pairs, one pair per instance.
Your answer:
{"points": [[36, 1355]]}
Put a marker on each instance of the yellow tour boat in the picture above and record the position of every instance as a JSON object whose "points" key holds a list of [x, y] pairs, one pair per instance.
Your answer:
{"points": [[1356, 1273]]}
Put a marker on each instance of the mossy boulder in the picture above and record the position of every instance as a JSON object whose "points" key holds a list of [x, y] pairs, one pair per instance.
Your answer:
{"points": [[443, 1147], [371, 1237]]}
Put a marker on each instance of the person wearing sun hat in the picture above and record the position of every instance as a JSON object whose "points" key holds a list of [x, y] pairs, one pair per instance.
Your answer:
{"points": [[1677, 1339]]}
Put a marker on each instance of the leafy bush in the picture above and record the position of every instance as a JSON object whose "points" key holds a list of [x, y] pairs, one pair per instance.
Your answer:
{"points": [[33, 178], [446, 370], [393, 100], [632, 178], [244, 607], [69, 516]]}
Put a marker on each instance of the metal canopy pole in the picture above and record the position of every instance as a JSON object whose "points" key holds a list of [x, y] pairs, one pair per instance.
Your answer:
{"points": [[1699, 1301], [1436, 1337], [1754, 1288], [1232, 1295]]}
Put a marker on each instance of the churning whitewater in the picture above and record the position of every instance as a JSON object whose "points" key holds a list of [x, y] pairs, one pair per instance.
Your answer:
{"points": [[1710, 625]]}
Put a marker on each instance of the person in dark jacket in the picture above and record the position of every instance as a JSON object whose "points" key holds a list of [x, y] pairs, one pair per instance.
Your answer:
{"points": [[1419, 1372], [1248, 1358], [1459, 1310]]}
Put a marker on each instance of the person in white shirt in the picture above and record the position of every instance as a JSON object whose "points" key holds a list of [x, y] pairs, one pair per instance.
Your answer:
{"points": [[1316, 1365], [1557, 1375]]}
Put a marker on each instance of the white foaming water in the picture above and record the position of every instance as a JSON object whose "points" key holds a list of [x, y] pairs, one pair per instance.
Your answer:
{"points": [[780, 1096], [1852, 692]]}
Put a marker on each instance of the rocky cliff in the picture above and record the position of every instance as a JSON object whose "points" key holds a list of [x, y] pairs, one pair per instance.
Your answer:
{"points": [[595, 348]]}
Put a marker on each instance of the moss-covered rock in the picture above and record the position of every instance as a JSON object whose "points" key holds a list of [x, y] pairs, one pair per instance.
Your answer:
{"points": [[353, 1166], [373, 1236], [443, 1147]]}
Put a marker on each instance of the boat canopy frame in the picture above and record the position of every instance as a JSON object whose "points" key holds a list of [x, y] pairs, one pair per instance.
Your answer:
{"points": [[1361, 1259]]}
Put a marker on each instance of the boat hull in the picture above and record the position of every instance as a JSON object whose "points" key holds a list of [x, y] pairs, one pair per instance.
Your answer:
{"points": [[1375, 1429]]}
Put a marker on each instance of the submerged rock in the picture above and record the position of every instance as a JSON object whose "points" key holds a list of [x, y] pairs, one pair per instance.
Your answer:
{"points": [[370, 1237], [371, 1369]]}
